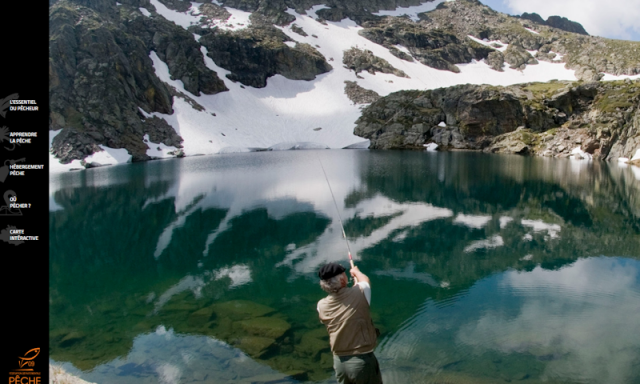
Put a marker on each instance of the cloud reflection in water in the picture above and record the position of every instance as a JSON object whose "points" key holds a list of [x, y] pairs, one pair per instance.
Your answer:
{"points": [[583, 318]]}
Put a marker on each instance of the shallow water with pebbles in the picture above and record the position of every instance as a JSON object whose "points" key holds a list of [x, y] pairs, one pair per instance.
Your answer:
{"points": [[484, 268]]}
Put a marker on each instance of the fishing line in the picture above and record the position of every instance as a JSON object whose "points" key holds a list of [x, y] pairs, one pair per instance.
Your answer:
{"points": [[338, 211]]}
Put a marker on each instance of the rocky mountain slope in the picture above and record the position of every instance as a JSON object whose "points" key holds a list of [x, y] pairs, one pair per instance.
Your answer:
{"points": [[549, 119], [141, 79]]}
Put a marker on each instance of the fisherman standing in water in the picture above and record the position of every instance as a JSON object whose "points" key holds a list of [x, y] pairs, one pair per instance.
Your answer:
{"points": [[352, 335]]}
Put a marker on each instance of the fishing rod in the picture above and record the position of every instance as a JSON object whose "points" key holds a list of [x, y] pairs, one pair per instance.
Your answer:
{"points": [[339, 218]]}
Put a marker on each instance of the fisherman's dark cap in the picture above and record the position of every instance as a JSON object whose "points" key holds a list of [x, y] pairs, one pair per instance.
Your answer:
{"points": [[330, 270]]}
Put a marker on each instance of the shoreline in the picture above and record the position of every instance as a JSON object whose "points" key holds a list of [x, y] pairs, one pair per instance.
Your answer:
{"points": [[57, 375], [635, 161]]}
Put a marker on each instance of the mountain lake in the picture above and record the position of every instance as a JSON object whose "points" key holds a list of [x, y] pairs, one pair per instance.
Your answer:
{"points": [[484, 268]]}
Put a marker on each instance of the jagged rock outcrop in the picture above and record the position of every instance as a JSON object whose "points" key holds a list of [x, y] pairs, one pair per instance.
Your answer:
{"points": [[604, 55], [258, 52], [177, 48], [517, 57], [434, 48], [628, 140], [545, 54], [409, 119], [566, 25], [214, 12], [358, 60], [100, 74], [400, 54], [496, 61], [588, 73], [533, 17], [359, 95], [549, 119], [298, 30], [556, 22], [470, 17]]}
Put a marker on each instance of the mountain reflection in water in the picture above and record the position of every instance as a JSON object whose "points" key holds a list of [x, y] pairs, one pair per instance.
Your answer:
{"points": [[484, 268]]}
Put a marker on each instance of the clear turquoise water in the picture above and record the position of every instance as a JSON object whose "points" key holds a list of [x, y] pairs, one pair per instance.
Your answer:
{"points": [[484, 268]]}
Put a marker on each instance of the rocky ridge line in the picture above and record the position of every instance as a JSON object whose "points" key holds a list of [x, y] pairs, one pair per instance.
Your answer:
{"points": [[586, 53], [556, 22]]}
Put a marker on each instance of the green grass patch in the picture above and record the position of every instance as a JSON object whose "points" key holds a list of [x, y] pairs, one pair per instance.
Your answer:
{"points": [[622, 96], [528, 138], [552, 131], [545, 90]]}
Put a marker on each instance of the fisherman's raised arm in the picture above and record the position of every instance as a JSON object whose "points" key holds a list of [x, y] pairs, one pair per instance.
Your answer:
{"points": [[359, 276]]}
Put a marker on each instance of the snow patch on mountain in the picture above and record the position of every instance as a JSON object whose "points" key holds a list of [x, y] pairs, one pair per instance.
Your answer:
{"points": [[109, 156], [183, 19], [495, 44], [578, 154], [158, 150], [431, 147], [238, 20], [311, 12], [610, 77], [412, 11]]}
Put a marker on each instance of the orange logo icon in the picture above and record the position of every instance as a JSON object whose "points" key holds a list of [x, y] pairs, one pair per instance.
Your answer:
{"points": [[28, 360], [25, 374]]}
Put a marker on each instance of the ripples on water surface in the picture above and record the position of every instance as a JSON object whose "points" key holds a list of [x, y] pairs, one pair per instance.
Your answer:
{"points": [[484, 268]]}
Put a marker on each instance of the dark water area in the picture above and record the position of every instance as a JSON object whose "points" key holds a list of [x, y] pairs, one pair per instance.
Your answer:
{"points": [[484, 268]]}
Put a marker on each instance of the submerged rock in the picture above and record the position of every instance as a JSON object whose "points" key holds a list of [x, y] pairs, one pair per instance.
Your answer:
{"points": [[270, 327], [72, 338], [313, 343], [255, 346], [241, 309], [202, 316]]}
